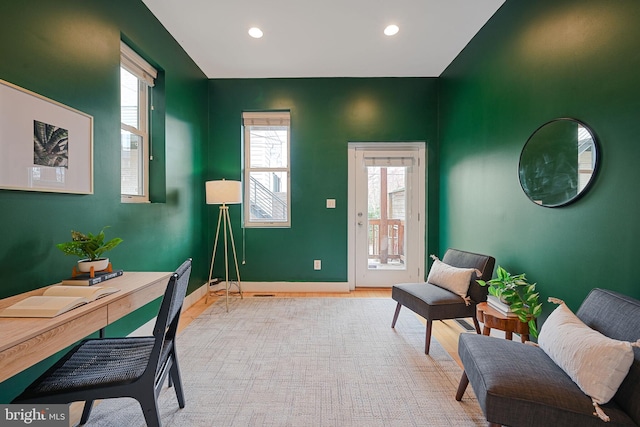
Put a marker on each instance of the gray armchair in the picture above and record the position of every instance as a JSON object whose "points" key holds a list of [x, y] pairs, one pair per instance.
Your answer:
{"points": [[436, 303]]}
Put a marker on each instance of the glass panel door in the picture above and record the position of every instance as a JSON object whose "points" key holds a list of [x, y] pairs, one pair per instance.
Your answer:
{"points": [[386, 189], [388, 235]]}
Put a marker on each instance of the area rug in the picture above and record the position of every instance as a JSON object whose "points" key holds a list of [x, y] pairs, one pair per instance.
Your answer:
{"points": [[307, 362]]}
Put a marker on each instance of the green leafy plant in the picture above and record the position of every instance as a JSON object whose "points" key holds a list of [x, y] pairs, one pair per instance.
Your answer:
{"points": [[89, 246], [519, 294]]}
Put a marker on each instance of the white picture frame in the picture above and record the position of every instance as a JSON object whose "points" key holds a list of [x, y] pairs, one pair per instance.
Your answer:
{"points": [[44, 145]]}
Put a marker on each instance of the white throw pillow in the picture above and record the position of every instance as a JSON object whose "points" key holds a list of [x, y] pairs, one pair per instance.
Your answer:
{"points": [[596, 363], [454, 279]]}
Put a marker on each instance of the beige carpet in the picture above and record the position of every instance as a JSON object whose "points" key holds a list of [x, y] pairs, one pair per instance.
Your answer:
{"points": [[307, 362]]}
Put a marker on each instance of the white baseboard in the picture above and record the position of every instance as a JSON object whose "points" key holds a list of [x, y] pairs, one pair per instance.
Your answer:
{"points": [[266, 287], [194, 297]]}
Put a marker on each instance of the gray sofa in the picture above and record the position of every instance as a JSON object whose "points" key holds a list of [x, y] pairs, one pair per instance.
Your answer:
{"points": [[518, 385]]}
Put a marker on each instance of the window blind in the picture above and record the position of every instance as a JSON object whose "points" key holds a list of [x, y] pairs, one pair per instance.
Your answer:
{"points": [[136, 65], [275, 118], [389, 161]]}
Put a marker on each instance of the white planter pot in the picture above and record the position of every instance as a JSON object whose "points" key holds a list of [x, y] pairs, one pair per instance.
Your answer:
{"points": [[84, 265]]}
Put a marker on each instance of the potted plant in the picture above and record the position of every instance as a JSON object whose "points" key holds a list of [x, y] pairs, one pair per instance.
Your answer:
{"points": [[518, 294], [89, 248]]}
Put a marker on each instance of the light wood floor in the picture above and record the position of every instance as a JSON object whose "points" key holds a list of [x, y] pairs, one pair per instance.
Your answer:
{"points": [[445, 332]]}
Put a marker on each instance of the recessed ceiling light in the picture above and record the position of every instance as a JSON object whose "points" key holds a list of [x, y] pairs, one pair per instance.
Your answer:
{"points": [[255, 32], [391, 30]]}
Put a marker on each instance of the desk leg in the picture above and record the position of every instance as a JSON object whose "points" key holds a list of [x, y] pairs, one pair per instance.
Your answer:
{"points": [[101, 332], [486, 330], [524, 338], [508, 335]]}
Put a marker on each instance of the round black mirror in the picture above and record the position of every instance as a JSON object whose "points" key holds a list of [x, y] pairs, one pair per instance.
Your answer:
{"points": [[558, 162]]}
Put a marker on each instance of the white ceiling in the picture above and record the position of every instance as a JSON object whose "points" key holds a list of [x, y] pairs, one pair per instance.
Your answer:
{"points": [[327, 38]]}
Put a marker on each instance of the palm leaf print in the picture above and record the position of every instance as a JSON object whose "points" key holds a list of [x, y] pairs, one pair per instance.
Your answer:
{"points": [[50, 145]]}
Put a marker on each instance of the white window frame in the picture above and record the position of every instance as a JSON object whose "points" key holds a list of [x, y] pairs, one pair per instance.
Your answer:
{"points": [[146, 74], [265, 118]]}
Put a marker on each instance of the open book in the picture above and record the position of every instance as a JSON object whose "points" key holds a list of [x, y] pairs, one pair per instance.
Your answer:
{"points": [[56, 300]]}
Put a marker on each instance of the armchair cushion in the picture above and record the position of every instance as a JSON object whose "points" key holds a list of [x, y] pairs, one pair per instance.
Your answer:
{"points": [[596, 363], [454, 279]]}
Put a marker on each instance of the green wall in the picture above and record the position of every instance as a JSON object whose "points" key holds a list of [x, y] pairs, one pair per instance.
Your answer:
{"points": [[533, 62], [69, 51], [326, 114]]}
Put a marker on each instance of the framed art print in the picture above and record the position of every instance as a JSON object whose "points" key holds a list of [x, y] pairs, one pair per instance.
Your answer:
{"points": [[44, 145]]}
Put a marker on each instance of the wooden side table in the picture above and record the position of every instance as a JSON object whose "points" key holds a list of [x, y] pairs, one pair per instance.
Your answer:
{"points": [[493, 319]]}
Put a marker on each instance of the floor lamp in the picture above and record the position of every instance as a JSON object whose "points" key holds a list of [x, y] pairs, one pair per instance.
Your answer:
{"points": [[224, 193]]}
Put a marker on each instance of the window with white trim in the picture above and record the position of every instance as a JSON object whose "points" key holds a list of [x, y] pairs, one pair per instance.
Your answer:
{"points": [[136, 79], [267, 177]]}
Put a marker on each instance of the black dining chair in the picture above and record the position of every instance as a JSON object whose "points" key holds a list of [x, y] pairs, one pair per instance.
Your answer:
{"points": [[103, 368]]}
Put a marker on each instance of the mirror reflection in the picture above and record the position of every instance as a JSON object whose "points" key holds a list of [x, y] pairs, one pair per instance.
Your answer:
{"points": [[558, 162]]}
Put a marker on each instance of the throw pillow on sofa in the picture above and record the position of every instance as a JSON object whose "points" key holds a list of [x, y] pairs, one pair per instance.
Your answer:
{"points": [[452, 278], [596, 363]]}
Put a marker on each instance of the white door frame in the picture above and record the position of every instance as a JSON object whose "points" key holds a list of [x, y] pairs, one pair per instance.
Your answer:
{"points": [[420, 149]]}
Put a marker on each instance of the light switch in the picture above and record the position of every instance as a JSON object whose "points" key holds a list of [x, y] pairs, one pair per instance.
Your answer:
{"points": [[331, 203]]}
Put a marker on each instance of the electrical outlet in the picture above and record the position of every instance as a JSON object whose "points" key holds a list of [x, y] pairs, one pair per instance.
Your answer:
{"points": [[317, 264]]}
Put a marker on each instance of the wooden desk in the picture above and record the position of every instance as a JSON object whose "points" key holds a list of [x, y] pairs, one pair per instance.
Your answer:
{"points": [[493, 319], [27, 341]]}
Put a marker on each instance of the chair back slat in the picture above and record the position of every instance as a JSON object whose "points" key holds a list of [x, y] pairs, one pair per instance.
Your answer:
{"points": [[182, 281], [166, 325]]}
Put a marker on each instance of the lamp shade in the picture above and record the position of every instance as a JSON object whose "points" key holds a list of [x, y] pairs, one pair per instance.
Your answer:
{"points": [[223, 192]]}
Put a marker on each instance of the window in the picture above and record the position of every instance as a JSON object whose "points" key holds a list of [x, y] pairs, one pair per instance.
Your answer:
{"points": [[267, 178], [136, 79]]}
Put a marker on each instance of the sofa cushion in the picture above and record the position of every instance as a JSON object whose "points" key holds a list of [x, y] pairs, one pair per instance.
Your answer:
{"points": [[519, 385], [596, 363], [454, 279], [617, 316]]}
